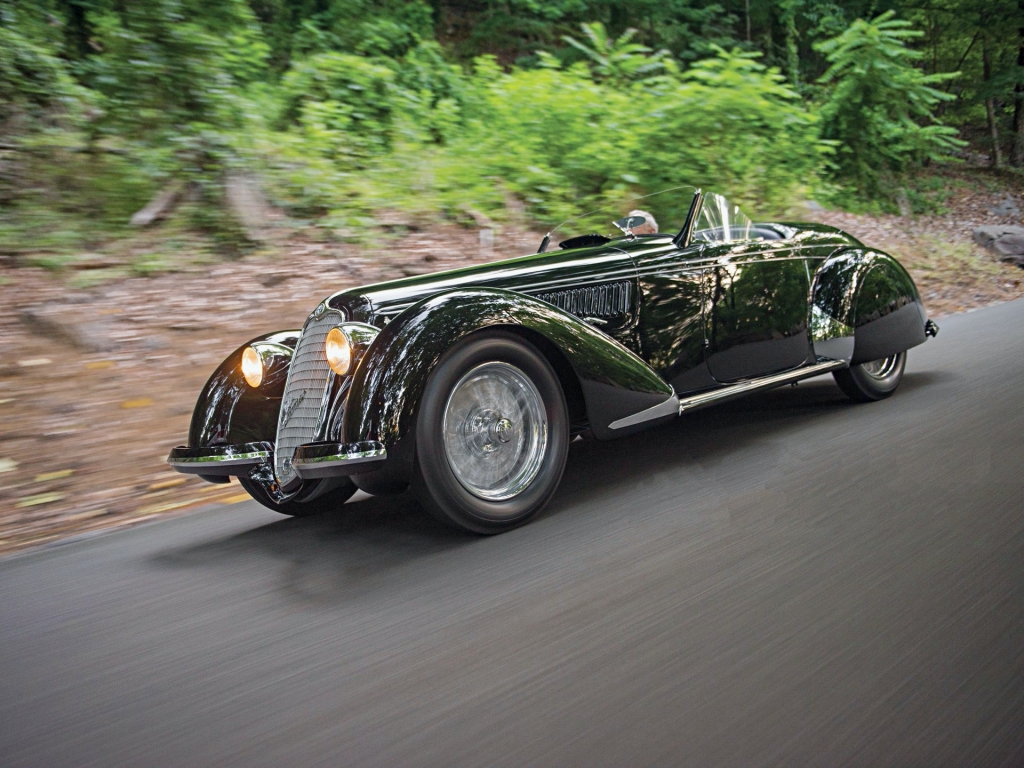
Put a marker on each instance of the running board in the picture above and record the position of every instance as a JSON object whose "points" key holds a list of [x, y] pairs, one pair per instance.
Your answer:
{"points": [[753, 385]]}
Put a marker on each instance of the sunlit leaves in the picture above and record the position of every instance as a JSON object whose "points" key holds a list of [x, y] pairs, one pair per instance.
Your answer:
{"points": [[618, 60], [881, 106]]}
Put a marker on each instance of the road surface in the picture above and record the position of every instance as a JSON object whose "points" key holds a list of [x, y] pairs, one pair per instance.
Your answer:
{"points": [[786, 580]]}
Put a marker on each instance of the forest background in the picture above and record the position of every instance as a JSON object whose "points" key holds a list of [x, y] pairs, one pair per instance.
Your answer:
{"points": [[178, 176], [354, 117]]}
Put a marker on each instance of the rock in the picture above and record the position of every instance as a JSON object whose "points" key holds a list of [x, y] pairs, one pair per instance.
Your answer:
{"points": [[396, 221], [249, 205], [1007, 208], [94, 261], [486, 242], [481, 219], [903, 203], [154, 343], [61, 323], [1005, 240], [159, 207]]}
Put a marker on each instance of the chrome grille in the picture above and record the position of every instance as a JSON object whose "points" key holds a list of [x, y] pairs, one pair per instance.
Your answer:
{"points": [[305, 394]]}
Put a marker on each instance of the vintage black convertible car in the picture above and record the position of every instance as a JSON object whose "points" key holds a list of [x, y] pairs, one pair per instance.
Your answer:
{"points": [[469, 385]]}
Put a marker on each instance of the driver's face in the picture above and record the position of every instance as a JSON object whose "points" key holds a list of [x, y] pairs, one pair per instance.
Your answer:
{"points": [[645, 229]]}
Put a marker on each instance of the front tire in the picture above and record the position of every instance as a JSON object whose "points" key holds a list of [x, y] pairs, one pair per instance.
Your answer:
{"points": [[492, 435], [875, 380], [315, 501]]}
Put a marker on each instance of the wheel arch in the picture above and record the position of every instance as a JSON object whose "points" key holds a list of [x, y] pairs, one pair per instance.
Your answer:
{"points": [[864, 306], [228, 411], [602, 380]]}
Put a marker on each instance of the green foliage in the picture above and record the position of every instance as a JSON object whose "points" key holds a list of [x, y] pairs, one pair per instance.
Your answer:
{"points": [[560, 142], [343, 104], [296, 30], [881, 108], [167, 68], [618, 60], [352, 110], [731, 124], [36, 89]]}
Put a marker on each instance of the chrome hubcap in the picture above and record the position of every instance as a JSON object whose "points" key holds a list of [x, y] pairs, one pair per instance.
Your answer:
{"points": [[879, 369], [495, 431]]}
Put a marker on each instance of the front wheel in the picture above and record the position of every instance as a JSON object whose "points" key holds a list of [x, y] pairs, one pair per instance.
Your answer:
{"points": [[874, 380], [492, 435]]}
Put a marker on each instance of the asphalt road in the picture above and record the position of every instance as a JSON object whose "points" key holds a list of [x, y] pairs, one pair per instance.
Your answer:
{"points": [[786, 580]]}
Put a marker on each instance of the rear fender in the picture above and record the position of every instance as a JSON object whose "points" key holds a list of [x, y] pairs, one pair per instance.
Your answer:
{"points": [[864, 306], [229, 411], [390, 380]]}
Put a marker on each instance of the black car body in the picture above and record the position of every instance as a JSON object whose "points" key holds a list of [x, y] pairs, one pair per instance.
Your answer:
{"points": [[636, 330]]}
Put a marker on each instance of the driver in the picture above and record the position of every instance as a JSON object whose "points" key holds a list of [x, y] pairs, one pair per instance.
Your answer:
{"points": [[649, 227]]}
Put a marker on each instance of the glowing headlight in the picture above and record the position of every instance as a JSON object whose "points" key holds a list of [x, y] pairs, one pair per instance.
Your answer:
{"points": [[252, 367], [339, 351]]}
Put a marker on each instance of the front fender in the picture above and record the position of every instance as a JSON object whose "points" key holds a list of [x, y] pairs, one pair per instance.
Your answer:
{"points": [[390, 380], [864, 306], [229, 411]]}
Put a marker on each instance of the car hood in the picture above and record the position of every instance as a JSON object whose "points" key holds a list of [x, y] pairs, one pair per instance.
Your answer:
{"points": [[533, 274]]}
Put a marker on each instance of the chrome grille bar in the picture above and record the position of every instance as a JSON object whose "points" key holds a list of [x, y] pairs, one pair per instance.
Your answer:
{"points": [[305, 394]]}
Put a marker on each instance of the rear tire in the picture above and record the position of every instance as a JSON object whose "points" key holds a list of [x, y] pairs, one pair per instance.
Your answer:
{"points": [[492, 435], [875, 380], [318, 500]]}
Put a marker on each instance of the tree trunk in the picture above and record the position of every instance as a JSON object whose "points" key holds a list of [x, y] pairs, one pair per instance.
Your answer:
{"points": [[1017, 153], [990, 107], [746, 7], [792, 49]]}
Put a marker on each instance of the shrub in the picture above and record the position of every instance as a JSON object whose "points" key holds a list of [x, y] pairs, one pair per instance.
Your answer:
{"points": [[555, 138], [342, 103], [880, 109], [732, 125]]}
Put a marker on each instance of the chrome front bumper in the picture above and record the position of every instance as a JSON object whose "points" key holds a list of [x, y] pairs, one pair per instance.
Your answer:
{"points": [[220, 460], [315, 460], [311, 461]]}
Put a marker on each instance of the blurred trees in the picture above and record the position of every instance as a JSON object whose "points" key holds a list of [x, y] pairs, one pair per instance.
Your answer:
{"points": [[880, 109], [343, 105]]}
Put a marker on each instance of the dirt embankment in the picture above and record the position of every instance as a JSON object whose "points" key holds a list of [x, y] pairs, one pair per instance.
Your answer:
{"points": [[96, 385]]}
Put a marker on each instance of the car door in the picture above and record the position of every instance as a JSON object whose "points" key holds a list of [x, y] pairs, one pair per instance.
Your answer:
{"points": [[755, 295], [756, 318], [670, 330]]}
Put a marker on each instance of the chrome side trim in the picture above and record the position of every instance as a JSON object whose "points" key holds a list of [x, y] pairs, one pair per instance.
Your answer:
{"points": [[667, 408], [767, 382], [316, 460], [219, 460]]}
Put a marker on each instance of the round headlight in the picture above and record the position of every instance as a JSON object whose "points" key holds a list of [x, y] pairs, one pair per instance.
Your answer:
{"points": [[339, 351], [252, 367]]}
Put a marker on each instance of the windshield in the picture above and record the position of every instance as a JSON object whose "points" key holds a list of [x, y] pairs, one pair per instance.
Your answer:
{"points": [[719, 221], [660, 213]]}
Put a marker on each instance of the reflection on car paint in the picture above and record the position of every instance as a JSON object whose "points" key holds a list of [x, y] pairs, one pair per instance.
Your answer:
{"points": [[629, 323]]}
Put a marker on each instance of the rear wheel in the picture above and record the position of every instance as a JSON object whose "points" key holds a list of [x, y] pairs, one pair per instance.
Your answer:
{"points": [[874, 380], [313, 501], [492, 435]]}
